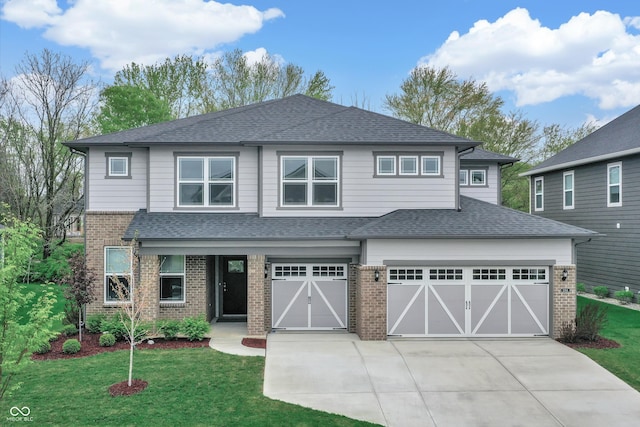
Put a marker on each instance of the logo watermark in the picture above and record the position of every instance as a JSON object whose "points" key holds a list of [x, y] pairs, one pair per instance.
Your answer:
{"points": [[19, 414]]}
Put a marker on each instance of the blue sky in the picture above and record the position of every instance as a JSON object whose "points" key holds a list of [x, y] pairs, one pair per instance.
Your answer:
{"points": [[557, 61]]}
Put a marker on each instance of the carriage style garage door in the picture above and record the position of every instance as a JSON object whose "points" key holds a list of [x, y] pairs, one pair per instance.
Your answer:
{"points": [[309, 296], [468, 301]]}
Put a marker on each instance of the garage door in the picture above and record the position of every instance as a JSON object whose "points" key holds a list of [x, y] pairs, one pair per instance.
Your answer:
{"points": [[309, 296], [468, 301]]}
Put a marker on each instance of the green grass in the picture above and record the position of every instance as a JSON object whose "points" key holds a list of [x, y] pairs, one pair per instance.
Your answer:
{"points": [[623, 326], [188, 387], [39, 289]]}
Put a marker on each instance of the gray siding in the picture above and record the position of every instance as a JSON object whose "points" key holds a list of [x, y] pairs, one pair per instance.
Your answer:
{"points": [[488, 193], [614, 260]]}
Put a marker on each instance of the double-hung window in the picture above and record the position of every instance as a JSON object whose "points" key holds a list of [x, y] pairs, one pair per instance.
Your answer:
{"points": [[207, 181], [568, 185], [172, 278], [310, 181], [614, 184], [538, 186], [117, 270]]}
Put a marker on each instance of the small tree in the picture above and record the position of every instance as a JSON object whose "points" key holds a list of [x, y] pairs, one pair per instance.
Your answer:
{"points": [[133, 303], [80, 286], [20, 336]]}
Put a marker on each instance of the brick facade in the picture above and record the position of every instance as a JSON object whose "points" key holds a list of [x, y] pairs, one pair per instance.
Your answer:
{"points": [[196, 292], [256, 285], [564, 297], [371, 303]]}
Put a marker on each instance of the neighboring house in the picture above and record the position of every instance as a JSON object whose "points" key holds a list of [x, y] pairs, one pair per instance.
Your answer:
{"points": [[302, 214], [595, 183]]}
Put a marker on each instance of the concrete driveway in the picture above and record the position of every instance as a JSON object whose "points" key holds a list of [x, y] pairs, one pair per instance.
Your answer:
{"points": [[514, 382]]}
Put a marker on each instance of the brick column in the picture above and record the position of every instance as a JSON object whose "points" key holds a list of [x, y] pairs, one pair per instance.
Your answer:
{"points": [[351, 295], [255, 295], [267, 298], [148, 281], [371, 303], [564, 297]]}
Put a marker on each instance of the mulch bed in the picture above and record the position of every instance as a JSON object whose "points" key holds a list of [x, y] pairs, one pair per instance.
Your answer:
{"points": [[123, 389], [91, 346], [254, 342], [600, 343]]}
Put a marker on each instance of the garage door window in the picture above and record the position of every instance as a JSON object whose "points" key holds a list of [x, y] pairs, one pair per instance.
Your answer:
{"points": [[445, 274], [328, 271], [489, 274], [405, 274], [289, 271], [529, 274]]}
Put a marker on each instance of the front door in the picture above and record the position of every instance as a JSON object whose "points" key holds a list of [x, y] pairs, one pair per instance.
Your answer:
{"points": [[234, 285]]}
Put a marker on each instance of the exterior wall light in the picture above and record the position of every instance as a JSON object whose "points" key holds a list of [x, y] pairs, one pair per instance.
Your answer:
{"points": [[565, 275], [376, 275]]}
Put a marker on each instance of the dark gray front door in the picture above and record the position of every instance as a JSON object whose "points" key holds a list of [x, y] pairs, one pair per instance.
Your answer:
{"points": [[234, 285]]}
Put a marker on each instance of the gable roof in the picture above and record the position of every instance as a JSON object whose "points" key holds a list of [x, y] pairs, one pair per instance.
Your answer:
{"points": [[619, 137], [487, 156], [476, 220], [292, 120]]}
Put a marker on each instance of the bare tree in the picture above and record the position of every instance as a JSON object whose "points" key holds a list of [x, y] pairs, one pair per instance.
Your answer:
{"points": [[48, 102]]}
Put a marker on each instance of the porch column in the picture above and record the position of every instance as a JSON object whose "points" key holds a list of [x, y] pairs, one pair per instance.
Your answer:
{"points": [[371, 303], [255, 295], [564, 297], [148, 281]]}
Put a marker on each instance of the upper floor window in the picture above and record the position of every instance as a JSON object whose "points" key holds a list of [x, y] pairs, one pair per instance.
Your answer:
{"points": [[172, 278], [538, 186], [117, 269], [207, 181], [614, 184], [463, 177], [309, 181], [408, 165], [473, 177], [568, 184], [118, 165]]}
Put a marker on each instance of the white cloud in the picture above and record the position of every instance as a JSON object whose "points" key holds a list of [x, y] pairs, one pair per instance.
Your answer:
{"points": [[142, 31], [255, 56], [592, 55]]}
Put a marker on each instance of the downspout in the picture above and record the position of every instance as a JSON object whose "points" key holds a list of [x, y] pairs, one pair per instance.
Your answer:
{"points": [[457, 177]]}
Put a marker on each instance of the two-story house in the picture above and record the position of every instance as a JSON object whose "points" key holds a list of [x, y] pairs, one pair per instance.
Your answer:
{"points": [[303, 214], [595, 183]]}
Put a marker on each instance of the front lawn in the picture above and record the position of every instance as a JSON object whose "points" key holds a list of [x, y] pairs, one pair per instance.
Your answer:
{"points": [[38, 289], [623, 326], [187, 387]]}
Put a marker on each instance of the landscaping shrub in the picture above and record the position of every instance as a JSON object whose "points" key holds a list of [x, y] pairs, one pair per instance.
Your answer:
{"points": [[625, 297], [601, 291], [94, 323], [114, 325], [71, 346], [68, 330], [107, 340], [71, 312], [45, 347], [590, 320], [169, 328], [568, 332], [195, 328], [581, 288]]}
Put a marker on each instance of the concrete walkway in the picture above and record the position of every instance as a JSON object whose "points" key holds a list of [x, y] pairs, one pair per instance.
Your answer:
{"points": [[227, 338], [530, 382]]}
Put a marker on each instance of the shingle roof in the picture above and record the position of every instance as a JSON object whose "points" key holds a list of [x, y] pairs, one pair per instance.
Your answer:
{"points": [[487, 156], [476, 220], [295, 119], [620, 136]]}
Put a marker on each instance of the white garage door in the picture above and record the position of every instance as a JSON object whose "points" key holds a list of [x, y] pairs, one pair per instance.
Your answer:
{"points": [[468, 301], [309, 296]]}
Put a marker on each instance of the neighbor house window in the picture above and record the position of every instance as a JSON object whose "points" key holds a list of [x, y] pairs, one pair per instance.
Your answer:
{"points": [[568, 184], [408, 165], [117, 268], [386, 165], [172, 278], [309, 181], [118, 165], [430, 165], [478, 177], [463, 177], [538, 185], [614, 184], [207, 181]]}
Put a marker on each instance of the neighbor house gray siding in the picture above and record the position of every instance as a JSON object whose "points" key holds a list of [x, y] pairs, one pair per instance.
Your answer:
{"points": [[612, 260]]}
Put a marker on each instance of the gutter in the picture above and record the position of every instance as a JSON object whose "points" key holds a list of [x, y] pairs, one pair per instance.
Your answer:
{"points": [[580, 162]]}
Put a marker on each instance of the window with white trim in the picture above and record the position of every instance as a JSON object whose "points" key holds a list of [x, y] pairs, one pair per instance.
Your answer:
{"points": [[386, 165], [567, 187], [463, 177], [430, 165], [118, 165], [477, 177], [117, 268], [310, 181], [538, 186], [408, 165], [172, 278], [614, 184], [206, 181]]}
